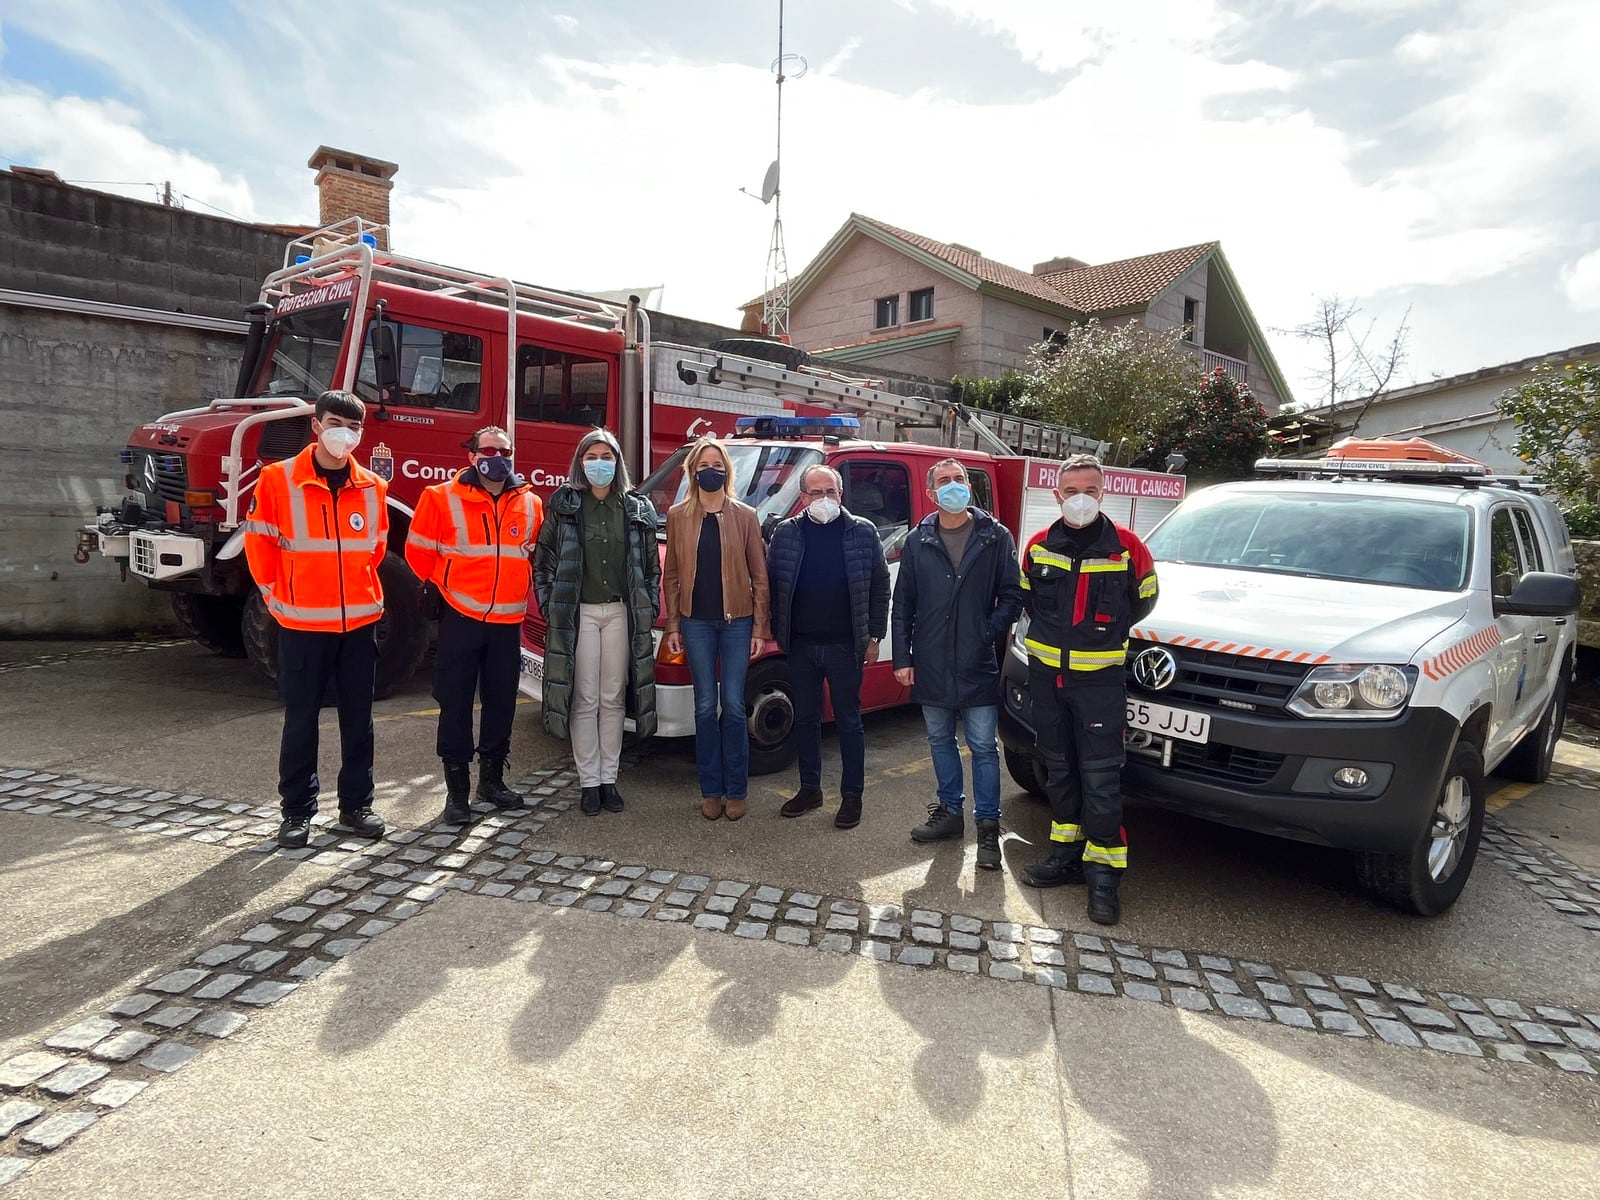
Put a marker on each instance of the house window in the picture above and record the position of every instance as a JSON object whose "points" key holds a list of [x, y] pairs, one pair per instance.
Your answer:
{"points": [[1191, 314], [922, 305], [886, 312]]}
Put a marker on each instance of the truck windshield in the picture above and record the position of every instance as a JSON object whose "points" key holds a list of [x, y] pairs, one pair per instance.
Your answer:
{"points": [[305, 352], [765, 476], [1365, 539]]}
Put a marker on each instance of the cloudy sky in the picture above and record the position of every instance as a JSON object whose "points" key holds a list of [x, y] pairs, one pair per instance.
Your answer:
{"points": [[1439, 155]]}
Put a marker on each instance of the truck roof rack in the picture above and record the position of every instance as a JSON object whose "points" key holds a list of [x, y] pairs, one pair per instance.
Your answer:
{"points": [[1393, 459]]}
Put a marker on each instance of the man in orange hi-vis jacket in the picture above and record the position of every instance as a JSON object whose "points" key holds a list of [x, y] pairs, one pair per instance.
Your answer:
{"points": [[470, 538], [317, 529], [1086, 581]]}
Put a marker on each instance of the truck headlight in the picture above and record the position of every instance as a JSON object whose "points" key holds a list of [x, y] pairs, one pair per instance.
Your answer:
{"points": [[1354, 691]]}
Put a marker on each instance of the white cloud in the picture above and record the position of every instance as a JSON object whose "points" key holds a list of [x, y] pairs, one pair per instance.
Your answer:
{"points": [[565, 22], [1582, 282], [603, 173]]}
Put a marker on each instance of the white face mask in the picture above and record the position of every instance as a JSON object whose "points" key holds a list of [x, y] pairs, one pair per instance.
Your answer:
{"points": [[339, 441], [822, 511], [1079, 510]]}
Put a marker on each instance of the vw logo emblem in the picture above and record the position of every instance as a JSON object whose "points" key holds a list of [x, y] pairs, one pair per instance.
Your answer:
{"points": [[1155, 668]]}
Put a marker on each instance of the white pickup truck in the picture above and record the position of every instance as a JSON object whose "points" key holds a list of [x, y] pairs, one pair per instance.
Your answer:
{"points": [[1341, 658]]}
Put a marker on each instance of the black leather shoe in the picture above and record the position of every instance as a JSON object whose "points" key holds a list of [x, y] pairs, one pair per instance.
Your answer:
{"points": [[989, 845], [457, 787], [942, 823], [294, 832], [1064, 866], [363, 822], [801, 802], [849, 815], [1105, 902], [492, 787], [610, 799], [590, 804]]}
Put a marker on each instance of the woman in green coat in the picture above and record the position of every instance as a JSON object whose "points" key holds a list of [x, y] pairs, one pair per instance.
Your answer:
{"points": [[597, 573]]}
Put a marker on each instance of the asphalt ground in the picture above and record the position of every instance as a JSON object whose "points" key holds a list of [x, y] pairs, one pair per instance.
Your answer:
{"points": [[644, 1059]]}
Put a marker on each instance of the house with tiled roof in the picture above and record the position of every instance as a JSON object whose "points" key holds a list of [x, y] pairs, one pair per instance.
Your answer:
{"points": [[885, 297]]}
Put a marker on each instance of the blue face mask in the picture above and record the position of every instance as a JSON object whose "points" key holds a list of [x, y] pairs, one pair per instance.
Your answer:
{"points": [[495, 470], [954, 497], [710, 479], [599, 471]]}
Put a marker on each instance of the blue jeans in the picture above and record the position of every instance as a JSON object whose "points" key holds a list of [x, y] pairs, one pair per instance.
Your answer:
{"points": [[721, 746], [979, 725], [810, 663]]}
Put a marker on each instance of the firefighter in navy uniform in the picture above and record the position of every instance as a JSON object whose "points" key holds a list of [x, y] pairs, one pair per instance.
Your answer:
{"points": [[470, 538], [1086, 582]]}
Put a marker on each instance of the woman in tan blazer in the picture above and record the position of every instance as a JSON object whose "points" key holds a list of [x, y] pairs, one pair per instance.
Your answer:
{"points": [[715, 580]]}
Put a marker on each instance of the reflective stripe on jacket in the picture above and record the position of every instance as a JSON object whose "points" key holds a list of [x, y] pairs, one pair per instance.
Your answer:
{"points": [[471, 545], [313, 554], [1081, 607]]}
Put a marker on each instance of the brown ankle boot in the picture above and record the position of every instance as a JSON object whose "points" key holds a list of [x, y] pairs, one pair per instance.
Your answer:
{"points": [[711, 807], [737, 807]]}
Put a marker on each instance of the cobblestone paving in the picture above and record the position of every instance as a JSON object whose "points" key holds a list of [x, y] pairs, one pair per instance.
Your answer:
{"points": [[1557, 880], [110, 650], [81, 1073]]}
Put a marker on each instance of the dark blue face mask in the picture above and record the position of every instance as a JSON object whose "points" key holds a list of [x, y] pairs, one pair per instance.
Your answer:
{"points": [[710, 479], [496, 469]]}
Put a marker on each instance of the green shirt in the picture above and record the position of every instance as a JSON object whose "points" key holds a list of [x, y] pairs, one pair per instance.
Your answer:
{"points": [[605, 549]]}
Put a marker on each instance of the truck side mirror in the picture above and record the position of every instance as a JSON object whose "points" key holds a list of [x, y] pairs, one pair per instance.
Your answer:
{"points": [[1542, 594], [385, 361]]}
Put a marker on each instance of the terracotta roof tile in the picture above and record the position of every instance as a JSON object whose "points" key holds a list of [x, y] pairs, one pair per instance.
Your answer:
{"points": [[1126, 282], [985, 269]]}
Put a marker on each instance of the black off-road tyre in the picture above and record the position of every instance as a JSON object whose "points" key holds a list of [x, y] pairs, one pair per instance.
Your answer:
{"points": [[402, 630], [769, 708], [1028, 772], [1530, 759], [1406, 880], [213, 621], [260, 634]]}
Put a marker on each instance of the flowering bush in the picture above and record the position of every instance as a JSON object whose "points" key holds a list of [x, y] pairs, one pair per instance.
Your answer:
{"points": [[1557, 412], [1221, 428]]}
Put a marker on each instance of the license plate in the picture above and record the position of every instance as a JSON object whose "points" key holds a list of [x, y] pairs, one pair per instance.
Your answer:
{"points": [[533, 668], [1178, 723]]}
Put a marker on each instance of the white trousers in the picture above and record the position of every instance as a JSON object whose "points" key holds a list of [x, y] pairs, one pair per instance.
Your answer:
{"points": [[599, 691]]}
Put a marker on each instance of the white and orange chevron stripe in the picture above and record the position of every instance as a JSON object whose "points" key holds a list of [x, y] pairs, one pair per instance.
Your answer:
{"points": [[1462, 653], [1221, 647]]}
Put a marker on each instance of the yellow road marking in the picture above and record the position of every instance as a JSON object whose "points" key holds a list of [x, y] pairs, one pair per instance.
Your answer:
{"points": [[1507, 795]]}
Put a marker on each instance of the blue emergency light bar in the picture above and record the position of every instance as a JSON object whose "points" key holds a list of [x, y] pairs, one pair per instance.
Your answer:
{"points": [[796, 427]]}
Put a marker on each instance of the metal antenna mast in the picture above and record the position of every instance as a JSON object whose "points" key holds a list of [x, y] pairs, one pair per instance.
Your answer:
{"points": [[775, 299]]}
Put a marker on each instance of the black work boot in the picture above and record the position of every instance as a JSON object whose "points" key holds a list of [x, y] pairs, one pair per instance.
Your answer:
{"points": [[362, 822], [802, 801], [589, 802], [942, 823], [989, 845], [1065, 865], [294, 832], [492, 787], [849, 814], [610, 798], [457, 784], [1105, 905]]}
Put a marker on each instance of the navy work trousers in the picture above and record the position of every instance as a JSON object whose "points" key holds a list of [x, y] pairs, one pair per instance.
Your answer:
{"points": [[475, 658], [307, 664]]}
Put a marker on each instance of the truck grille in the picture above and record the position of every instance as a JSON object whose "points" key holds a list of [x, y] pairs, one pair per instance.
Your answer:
{"points": [[1225, 764], [1207, 680], [533, 633], [168, 472], [283, 439]]}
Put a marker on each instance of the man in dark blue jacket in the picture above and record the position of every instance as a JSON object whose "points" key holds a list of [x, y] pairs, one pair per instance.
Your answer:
{"points": [[830, 609], [957, 595]]}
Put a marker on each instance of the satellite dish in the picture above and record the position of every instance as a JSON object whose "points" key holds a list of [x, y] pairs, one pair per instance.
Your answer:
{"points": [[769, 185]]}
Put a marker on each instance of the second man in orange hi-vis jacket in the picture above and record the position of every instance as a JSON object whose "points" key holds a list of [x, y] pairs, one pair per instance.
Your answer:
{"points": [[317, 529], [471, 538]]}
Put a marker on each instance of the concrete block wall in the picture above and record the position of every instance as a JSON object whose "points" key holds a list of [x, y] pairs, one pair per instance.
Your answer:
{"points": [[60, 240], [71, 390], [840, 310]]}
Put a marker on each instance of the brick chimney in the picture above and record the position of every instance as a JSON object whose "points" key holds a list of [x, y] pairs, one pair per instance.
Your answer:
{"points": [[1057, 265], [352, 185]]}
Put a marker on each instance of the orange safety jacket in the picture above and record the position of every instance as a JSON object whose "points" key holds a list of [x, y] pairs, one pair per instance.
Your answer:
{"points": [[472, 546], [313, 554]]}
